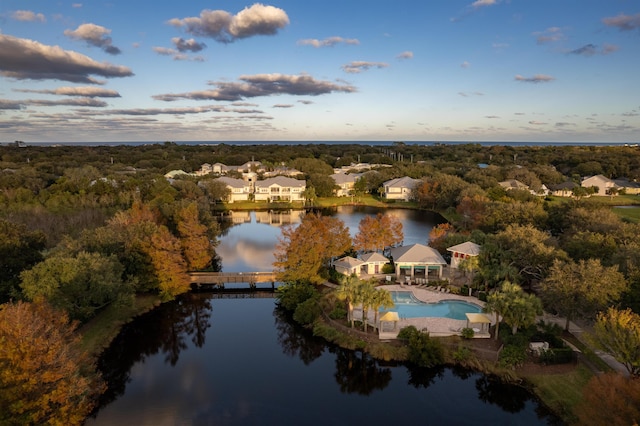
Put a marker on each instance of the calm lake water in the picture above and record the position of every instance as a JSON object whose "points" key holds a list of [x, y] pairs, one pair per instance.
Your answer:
{"points": [[210, 359]]}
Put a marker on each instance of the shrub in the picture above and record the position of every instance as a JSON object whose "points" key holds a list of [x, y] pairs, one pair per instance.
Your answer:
{"points": [[388, 268], [467, 333], [307, 311], [338, 312], [512, 356], [423, 351], [482, 296], [291, 295], [462, 354], [557, 356]]}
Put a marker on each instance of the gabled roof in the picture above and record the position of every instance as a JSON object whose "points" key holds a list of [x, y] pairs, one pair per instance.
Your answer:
{"points": [[469, 247], [341, 178], [373, 257], [512, 184], [282, 181], [348, 262], [232, 182], [417, 253], [568, 185], [403, 182]]}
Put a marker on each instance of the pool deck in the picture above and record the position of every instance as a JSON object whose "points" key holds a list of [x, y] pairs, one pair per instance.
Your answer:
{"points": [[435, 326]]}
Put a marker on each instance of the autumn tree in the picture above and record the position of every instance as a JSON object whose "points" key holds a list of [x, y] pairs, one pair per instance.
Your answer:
{"points": [[79, 285], [196, 246], [618, 333], [44, 378], [303, 252], [609, 399], [581, 289], [377, 233], [170, 267]]}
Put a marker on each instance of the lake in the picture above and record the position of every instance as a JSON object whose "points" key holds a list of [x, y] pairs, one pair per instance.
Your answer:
{"points": [[236, 359]]}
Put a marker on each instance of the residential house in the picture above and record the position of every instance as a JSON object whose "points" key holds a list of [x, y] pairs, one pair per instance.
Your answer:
{"points": [[280, 188], [463, 251], [345, 183], [240, 189], [417, 261], [400, 188], [348, 265], [629, 187], [564, 189], [373, 263], [510, 184], [603, 183]]}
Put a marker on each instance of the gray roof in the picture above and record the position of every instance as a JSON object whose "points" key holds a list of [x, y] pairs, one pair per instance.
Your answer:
{"points": [[469, 247], [232, 182], [417, 253], [373, 257], [403, 182], [348, 262], [282, 181]]}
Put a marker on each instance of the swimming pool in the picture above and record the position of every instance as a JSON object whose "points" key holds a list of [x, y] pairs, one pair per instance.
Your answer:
{"points": [[408, 306]]}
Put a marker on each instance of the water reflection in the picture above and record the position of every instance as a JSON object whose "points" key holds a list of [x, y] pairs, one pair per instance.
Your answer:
{"points": [[201, 360]]}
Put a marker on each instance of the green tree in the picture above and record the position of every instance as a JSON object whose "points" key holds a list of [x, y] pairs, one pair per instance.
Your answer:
{"points": [[79, 285], [522, 307], [618, 333], [498, 303], [44, 378], [20, 249], [581, 289]]}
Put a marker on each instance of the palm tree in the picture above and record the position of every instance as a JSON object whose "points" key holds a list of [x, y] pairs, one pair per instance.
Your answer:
{"points": [[366, 295], [497, 303], [523, 309], [381, 299], [348, 291]]}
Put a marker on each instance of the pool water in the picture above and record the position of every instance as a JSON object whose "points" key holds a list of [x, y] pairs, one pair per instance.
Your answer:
{"points": [[408, 306]]}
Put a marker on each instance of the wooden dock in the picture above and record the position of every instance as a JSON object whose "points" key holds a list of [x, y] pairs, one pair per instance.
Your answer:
{"points": [[218, 280]]}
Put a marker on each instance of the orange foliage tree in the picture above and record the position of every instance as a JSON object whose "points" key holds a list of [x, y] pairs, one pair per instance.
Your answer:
{"points": [[610, 399], [196, 246], [378, 233], [302, 252], [44, 378]]}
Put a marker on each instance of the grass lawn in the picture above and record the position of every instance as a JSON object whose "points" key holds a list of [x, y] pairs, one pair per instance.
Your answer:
{"points": [[363, 200], [630, 213], [561, 392], [98, 333]]}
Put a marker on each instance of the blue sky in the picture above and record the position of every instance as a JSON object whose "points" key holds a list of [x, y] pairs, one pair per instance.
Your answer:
{"points": [[436, 70]]}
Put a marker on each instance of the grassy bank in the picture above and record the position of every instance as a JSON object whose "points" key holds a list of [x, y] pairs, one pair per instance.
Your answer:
{"points": [[97, 334]]}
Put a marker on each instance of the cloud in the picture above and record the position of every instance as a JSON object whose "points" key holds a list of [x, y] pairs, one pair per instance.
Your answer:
{"points": [[94, 35], [538, 78], [226, 28], [282, 106], [592, 49], [76, 5], [491, 116], [586, 50], [83, 102], [87, 92], [537, 123], [252, 86], [465, 64], [549, 35], [466, 95], [623, 22], [28, 16], [563, 124], [405, 55], [27, 59], [305, 102], [187, 45], [177, 55], [483, 3], [356, 67], [328, 42]]}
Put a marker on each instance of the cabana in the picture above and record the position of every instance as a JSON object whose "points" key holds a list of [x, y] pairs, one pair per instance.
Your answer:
{"points": [[390, 316], [480, 320]]}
